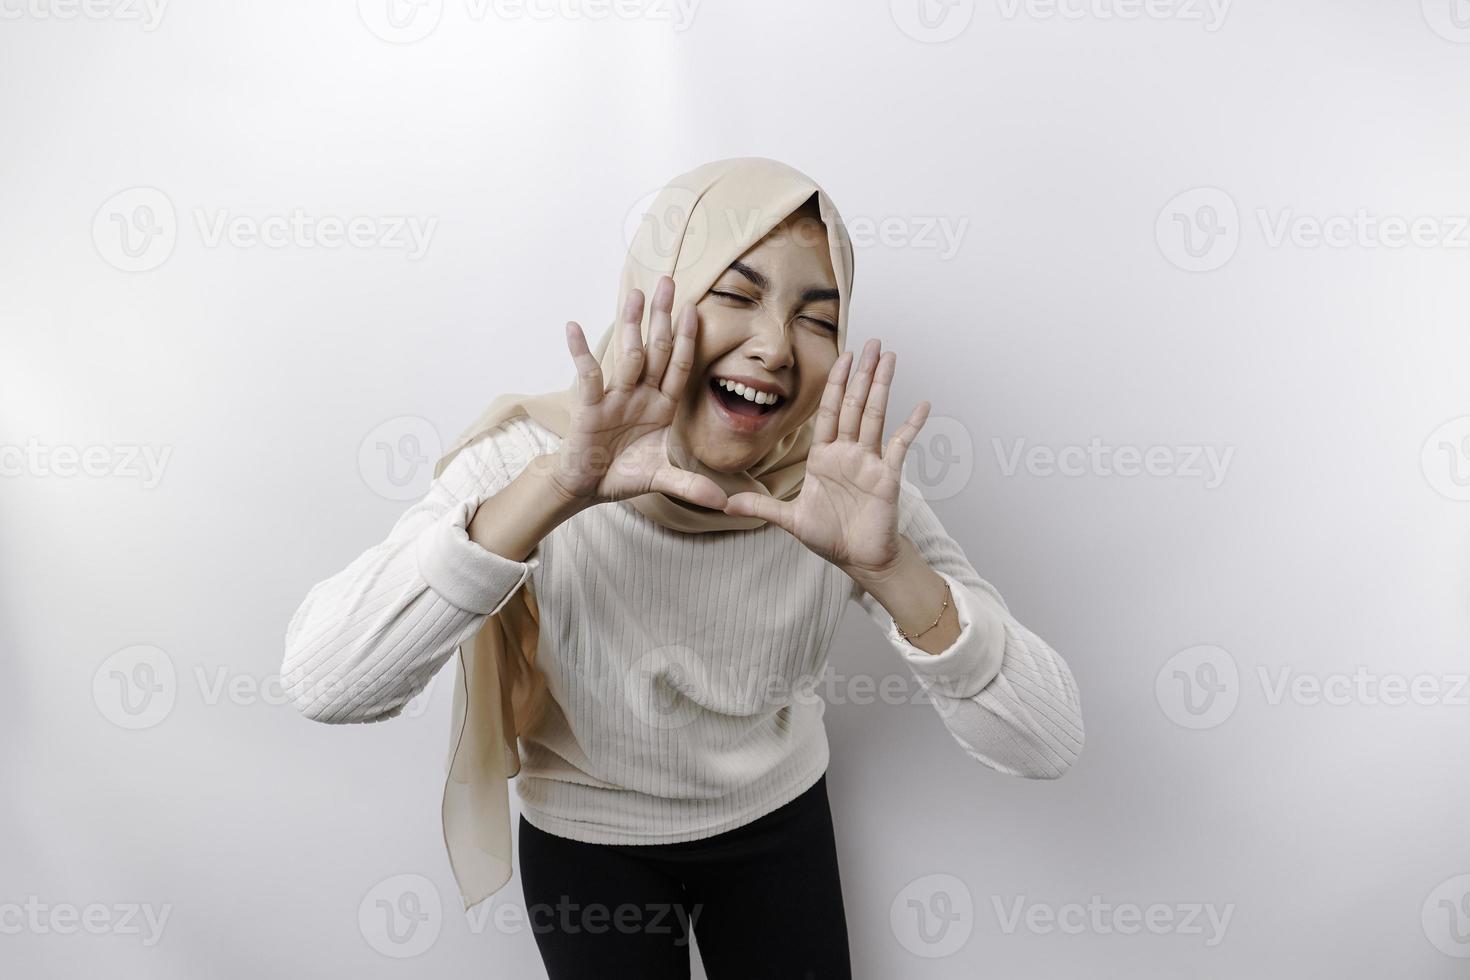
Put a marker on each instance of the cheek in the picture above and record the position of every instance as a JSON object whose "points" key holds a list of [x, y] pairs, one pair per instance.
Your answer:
{"points": [[815, 361], [715, 331]]}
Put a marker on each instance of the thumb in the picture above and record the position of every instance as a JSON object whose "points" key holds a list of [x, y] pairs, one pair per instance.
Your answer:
{"points": [[749, 503], [693, 487]]}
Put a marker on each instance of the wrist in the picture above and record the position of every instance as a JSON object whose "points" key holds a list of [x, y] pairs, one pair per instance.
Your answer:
{"points": [[512, 522], [918, 599], [874, 580], [562, 503]]}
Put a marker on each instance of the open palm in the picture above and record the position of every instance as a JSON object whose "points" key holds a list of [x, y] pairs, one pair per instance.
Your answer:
{"points": [[617, 443], [847, 509]]}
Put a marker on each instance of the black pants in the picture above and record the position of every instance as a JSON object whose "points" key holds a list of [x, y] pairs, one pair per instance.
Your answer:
{"points": [[763, 900]]}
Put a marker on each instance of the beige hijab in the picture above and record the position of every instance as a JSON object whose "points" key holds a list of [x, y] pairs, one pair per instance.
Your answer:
{"points": [[695, 227]]}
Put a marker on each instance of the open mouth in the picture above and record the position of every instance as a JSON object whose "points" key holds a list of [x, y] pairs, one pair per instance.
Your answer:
{"points": [[743, 400]]}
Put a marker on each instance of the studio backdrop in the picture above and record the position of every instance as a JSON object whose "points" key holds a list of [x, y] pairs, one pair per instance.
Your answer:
{"points": [[1187, 283]]}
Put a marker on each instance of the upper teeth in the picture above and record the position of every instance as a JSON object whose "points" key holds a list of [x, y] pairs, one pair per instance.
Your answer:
{"points": [[749, 394]]}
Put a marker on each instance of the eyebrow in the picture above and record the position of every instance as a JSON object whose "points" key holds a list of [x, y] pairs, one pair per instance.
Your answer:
{"points": [[761, 282]]}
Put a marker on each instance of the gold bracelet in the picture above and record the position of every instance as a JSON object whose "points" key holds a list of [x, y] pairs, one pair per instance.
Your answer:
{"points": [[910, 639]]}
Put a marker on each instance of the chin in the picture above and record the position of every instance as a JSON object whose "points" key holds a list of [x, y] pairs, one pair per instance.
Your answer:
{"points": [[724, 453], [725, 460]]}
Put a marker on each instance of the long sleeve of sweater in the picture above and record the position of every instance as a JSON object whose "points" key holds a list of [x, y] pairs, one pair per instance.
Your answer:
{"points": [[1004, 695], [367, 639]]}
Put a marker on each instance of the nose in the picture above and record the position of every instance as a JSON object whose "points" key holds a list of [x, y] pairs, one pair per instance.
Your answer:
{"points": [[770, 341]]}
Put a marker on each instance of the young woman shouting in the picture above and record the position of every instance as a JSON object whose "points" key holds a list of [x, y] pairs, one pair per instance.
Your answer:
{"points": [[643, 574]]}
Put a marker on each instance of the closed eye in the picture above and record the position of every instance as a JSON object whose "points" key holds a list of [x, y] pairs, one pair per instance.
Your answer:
{"points": [[827, 324]]}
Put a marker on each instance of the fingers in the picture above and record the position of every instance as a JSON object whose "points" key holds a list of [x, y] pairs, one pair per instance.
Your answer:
{"points": [[693, 487], [660, 333], [681, 360], [749, 503], [629, 363], [870, 434], [589, 374], [824, 428], [857, 393], [898, 446]]}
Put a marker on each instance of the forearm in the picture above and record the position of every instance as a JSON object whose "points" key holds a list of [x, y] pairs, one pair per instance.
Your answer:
{"points": [[912, 593], [513, 521], [367, 639], [1006, 696], [1019, 712]]}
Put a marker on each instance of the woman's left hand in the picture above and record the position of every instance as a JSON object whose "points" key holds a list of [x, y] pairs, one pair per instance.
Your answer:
{"points": [[847, 509]]}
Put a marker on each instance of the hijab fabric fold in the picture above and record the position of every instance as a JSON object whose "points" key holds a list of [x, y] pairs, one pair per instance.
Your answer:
{"points": [[698, 224]]}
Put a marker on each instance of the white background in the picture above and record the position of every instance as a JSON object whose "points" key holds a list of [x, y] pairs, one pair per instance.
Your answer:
{"points": [[1083, 299]]}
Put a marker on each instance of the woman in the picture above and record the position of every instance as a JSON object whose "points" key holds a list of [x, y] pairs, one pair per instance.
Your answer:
{"points": [[646, 571]]}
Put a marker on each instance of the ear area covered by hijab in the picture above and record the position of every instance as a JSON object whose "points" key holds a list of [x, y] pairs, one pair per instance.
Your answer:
{"points": [[696, 225]]}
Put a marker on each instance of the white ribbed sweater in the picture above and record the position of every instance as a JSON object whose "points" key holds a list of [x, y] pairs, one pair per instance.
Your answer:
{"points": [[683, 667]]}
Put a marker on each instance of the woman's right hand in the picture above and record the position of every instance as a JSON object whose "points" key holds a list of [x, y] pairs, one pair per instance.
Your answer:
{"points": [[617, 444]]}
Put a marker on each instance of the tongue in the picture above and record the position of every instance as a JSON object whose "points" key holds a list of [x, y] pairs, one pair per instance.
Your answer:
{"points": [[737, 404]]}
